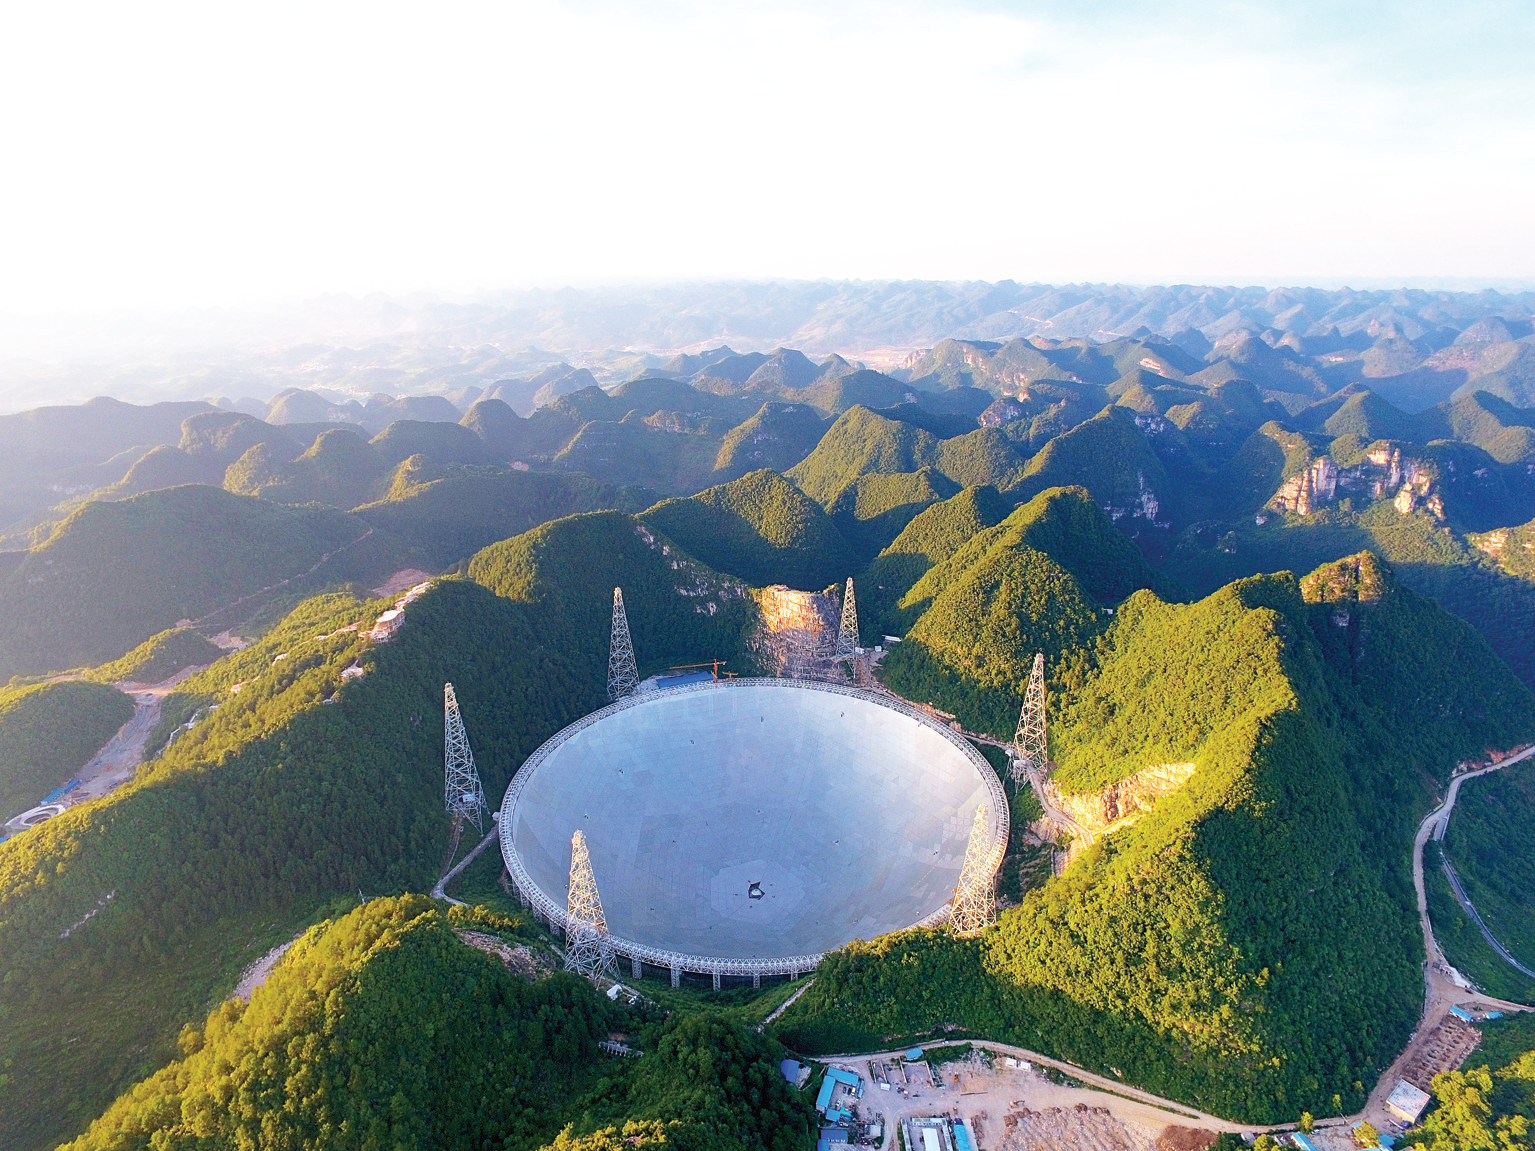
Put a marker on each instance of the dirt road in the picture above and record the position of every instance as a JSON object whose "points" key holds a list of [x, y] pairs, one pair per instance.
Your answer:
{"points": [[450, 876], [115, 763]]}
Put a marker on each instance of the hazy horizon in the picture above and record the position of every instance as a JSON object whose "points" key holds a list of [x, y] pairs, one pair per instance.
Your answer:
{"points": [[178, 157]]}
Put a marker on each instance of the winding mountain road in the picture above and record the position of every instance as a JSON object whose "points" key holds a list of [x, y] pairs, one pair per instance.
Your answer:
{"points": [[1470, 909], [1440, 986]]}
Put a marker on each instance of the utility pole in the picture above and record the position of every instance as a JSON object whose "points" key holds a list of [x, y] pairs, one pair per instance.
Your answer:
{"points": [[623, 675], [975, 901], [1030, 750], [847, 634], [462, 794], [588, 950]]}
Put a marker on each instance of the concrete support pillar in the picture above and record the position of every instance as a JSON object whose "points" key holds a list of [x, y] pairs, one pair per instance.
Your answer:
{"points": [[756, 979], [676, 975], [716, 979], [634, 966]]}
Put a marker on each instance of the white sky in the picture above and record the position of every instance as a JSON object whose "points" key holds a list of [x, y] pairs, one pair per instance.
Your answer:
{"points": [[164, 154]]}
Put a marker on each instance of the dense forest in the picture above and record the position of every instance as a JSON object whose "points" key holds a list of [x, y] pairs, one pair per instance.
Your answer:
{"points": [[1132, 508], [48, 731], [1196, 951], [382, 1029]]}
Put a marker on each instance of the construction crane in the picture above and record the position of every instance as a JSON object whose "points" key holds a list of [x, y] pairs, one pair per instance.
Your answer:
{"points": [[713, 665]]}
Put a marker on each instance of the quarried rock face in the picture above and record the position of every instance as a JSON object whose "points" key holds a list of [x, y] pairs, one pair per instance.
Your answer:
{"points": [[798, 636]]}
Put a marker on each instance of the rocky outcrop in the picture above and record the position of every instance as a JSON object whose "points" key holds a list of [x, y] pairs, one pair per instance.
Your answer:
{"points": [[1146, 506], [1348, 584], [1097, 813], [1384, 473], [1304, 492]]}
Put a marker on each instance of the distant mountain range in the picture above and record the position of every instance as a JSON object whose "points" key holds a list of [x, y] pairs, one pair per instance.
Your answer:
{"points": [[418, 346], [1142, 508]]}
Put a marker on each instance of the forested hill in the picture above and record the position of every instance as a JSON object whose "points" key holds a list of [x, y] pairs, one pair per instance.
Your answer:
{"points": [[1257, 440], [1250, 945], [1137, 508], [287, 785], [385, 1029]]}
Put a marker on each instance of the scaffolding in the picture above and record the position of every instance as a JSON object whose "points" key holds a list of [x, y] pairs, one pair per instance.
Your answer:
{"points": [[975, 901], [847, 631], [462, 794], [1030, 750], [588, 949], [623, 675]]}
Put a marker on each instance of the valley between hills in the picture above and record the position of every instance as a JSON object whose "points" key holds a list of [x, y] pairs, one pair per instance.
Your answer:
{"points": [[1274, 550]]}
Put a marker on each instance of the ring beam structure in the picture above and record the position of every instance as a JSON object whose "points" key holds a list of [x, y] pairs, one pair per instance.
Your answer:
{"points": [[746, 827]]}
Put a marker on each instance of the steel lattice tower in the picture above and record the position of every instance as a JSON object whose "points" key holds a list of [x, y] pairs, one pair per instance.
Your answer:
{"points": [[1030, 750], [623, 675], [975, 902], [847, 634], [588, 950], [462, 793]]}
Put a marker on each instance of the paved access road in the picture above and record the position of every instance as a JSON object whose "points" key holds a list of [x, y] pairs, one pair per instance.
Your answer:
{"points": [[1441, 991]]}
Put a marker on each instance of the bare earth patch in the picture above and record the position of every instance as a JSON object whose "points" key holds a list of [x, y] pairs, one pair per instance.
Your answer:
{"points": [[402, 580], [1080, 1128], [520, 959], [255, 975]]}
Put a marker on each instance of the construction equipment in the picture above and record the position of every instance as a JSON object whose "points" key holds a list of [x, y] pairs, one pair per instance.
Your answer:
{"points": [[713, 665]]}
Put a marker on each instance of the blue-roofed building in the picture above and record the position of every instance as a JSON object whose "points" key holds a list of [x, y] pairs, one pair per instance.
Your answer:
{"points": [[52, 796], [685, 678], [914, 1053], [962, 1138], [1463, 1015], [1300, 1140], [831, 1137], [836, 1077], [823, 1098]]}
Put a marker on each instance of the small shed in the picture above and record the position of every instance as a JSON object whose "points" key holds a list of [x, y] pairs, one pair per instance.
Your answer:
{"points": [[795, 1072], [1406, 1102]]}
